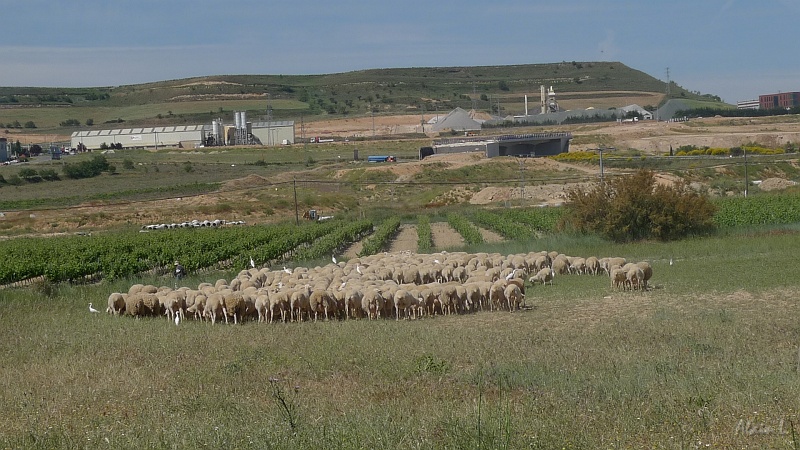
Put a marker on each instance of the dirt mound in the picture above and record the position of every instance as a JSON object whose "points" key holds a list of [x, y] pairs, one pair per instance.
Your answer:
{"points": [[244, 183], [775, 184]]}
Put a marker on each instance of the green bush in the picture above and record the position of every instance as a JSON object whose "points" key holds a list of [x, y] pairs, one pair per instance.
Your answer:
{"points": [[634, 207], [87, 169], [49, 174], [30, 175]]}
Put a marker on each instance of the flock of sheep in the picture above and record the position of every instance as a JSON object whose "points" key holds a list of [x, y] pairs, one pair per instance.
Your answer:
{"points": [[193, 224], [387, 285]]}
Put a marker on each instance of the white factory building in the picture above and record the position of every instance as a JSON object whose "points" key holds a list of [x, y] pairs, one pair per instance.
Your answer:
{"points": [[190, 136]]}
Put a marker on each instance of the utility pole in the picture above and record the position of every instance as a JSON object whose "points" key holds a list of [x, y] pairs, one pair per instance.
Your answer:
{"points": [[745, 172], [601, 164], [296, 214]]}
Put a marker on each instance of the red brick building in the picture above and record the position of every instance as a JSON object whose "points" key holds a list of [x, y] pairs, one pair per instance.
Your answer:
{"points": [[783, 100]]}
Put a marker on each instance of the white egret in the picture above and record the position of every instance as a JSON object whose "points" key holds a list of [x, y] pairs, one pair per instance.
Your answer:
{"points": [[177, 319], [358, 269], [252, 263], [333, 258], [289, 271], [92, 310]]}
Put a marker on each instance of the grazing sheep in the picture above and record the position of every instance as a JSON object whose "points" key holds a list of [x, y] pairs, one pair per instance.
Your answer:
{"points": [[352, 302], [214, 307], [618, 277], [405, 301], [372, 303], [561, 265], [116, 303], [647, 271], [278, 303], [513, 297], [198, 307], [497, 295], [298, 302], [634, 277], [319, 302], [134, 305], [234, 305], [135, 289], [262, 306], [543, 276], [592, 265]]}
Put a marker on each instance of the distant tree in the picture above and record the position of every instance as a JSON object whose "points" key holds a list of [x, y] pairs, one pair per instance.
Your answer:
{"points": [[127, 164], [16, 124], [89, 122], [30, 124], [502, 85]]}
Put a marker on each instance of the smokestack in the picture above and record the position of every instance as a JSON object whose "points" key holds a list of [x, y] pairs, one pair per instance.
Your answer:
{"points": [[543, 100], [526, 104]]}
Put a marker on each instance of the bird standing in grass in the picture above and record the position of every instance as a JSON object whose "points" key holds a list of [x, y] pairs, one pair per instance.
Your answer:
{"points": [[92, 310], [333, 258], [252, 263], [177, 319]]}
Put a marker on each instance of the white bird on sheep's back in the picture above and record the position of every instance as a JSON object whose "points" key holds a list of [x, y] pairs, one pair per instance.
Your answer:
{"points": [[92, 310], [289, 271]]}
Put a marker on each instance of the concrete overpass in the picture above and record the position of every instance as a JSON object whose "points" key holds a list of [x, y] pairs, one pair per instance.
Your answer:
{"points": [[527, 145]]}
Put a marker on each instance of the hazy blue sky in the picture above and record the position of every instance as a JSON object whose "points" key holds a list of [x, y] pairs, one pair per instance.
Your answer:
{"points": [[736, 49]]}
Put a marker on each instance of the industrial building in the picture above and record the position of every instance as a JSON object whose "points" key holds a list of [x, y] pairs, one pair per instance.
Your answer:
{"points": [[523, 145], [784, 100], [3, 150], [241, 132], [748, 104]]}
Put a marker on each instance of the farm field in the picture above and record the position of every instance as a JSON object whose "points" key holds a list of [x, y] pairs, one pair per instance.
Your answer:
{"points": [[707, 357]]}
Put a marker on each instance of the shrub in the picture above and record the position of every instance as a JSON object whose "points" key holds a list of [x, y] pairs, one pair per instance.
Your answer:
{"points": [[15, 180], [30, 175], [87, 169], [49, 174], [634, 208]]}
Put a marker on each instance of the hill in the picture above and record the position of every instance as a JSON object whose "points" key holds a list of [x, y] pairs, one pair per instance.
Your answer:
{"points": [[312, 97]]}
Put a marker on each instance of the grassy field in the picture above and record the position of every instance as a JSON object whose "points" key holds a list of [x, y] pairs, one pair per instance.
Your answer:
{"points": [[707, 359]]}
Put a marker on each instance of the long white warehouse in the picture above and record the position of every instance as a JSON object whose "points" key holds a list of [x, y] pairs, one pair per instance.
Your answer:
{"points": [[186, 136]]}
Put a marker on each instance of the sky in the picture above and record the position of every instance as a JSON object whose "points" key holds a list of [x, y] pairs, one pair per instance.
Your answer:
{"points": [[736, 49]]}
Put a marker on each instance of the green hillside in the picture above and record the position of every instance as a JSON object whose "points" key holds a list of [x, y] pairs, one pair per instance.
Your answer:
{"points": [[380, 91]]}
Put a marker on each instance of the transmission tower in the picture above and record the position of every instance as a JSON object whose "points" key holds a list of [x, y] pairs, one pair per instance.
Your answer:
{"points": [[668, 83]]}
